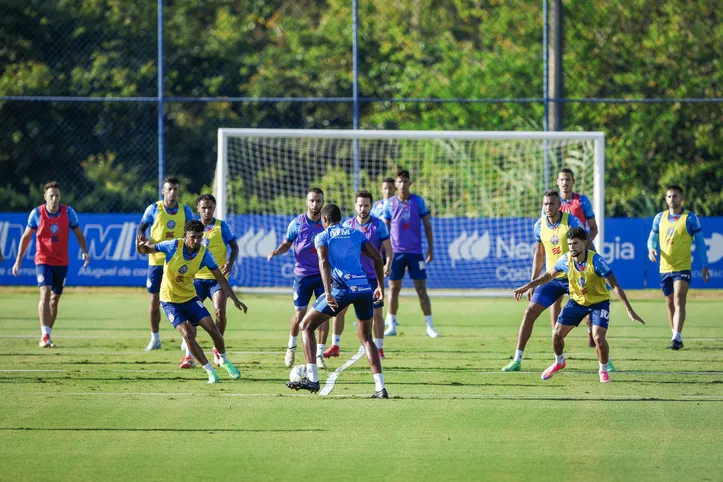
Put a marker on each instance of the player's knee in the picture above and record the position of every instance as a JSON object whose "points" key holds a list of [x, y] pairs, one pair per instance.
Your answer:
{"points": [[421, 290], [599, 339]]}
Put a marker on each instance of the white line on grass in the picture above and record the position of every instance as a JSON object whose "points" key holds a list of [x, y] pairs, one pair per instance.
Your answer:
{"points": [[331, 381]]}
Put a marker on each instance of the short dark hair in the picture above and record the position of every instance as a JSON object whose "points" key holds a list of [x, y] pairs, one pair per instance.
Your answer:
{"points": [[403, 173], [551, 193], [675, 187], [567, 170], [51, 185], [193, 225], [315, 190], [577, 233], [332, 212], [388, 179], [206, 197], [364, 193], [172, 180]]}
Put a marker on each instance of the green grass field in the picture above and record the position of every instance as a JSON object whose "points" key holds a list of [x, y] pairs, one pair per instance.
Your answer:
{"points": [[99, 408]]}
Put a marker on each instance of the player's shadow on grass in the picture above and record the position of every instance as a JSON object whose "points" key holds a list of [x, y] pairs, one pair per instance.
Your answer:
{"points": [[191, 430]]}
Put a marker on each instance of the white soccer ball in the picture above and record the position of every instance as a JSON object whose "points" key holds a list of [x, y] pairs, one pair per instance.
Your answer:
{"points": [[297, 373]]}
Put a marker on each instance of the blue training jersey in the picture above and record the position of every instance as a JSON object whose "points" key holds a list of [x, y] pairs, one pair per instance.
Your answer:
{"points": [[692, 225], [598, 263], [151, 213], [345, 252], [34, 218], [169, 247]]}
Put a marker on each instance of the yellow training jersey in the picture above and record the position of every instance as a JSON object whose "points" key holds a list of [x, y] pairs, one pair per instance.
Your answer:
{"points": [[675, 243], [554, 240], [178, 274], [586, 287], [166, 227], [213, 240]]}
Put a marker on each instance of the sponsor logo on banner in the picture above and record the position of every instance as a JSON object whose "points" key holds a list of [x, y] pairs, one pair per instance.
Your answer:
{"points": [[715, 247], [256, 244], [10, 234], [469, 248], [112, 242]]}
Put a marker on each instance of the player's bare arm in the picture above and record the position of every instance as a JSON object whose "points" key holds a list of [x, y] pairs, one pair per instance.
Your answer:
{"points": [[540, 280], [228, 267], [537, 263], [430, 241], [281, 249], [81, 242], [24, 241], [325, 268], [593, 228], [389, 253], [369, 251], [623, 298], [142, 245], [141, 230], [223, 282]]}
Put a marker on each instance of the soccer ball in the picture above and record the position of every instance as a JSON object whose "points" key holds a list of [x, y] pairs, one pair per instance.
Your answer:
{"points": [[297, 373]]}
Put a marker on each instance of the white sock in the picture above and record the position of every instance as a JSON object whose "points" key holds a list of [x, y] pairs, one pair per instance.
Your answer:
{"points": [[378, 382], [155, 336], [188, 350], [390, 320], [319, 349], [560, 359], [428, 320], [223, 358], [603, 367], [589, 330], [379, 342], [292, 341], [677, 337], [312, 372], [335, 340], [518, 355], [208, 368], [46, 330]]}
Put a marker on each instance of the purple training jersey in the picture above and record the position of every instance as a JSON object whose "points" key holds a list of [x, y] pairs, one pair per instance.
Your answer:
{"points": [[378, 209], [406, 223], [375, 230], [301, 232]]}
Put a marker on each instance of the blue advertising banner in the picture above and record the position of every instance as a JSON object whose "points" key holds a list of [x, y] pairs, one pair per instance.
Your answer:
{"points": [[468, 254]]}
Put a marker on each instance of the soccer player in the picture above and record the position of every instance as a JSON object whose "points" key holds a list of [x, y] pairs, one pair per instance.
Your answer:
{"points": [[51, 223], [550, 232], [217, 234], [676, 230], [375, 230], [166, 219], [587, 275], [184, 258], [579, 206], [388, 189], [404, 214], [345, 283], [307, 280]]}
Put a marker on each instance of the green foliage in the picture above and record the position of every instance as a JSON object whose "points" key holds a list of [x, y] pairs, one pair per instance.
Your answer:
{"points": [[106, 154]]}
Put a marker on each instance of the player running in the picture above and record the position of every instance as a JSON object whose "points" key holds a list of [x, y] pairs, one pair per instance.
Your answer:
{"points": [[307, 280], [217, 235], [550, 232], [676, 230], [166, 219], [345, 283], [184, 258], [587, 275], [375, 230], [403, 213], [51, 223], [579, 206]]}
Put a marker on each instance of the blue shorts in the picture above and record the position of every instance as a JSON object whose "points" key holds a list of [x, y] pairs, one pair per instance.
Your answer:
{"points": [[363, 302], [573, 313], [206, 288], [548, 293], [374, 283], [53, 276], [414, 262], [668, 279], [304, 287], [153, 282], [192, 310]]}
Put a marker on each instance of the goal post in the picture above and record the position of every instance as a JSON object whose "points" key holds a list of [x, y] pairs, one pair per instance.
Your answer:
{"points": [[483, 189]]}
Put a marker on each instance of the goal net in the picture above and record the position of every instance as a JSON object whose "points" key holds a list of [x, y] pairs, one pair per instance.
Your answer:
{"points": [[483, 190]]}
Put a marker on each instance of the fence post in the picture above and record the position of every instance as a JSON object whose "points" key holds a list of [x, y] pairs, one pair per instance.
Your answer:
{"points": [[161, 100]]}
